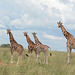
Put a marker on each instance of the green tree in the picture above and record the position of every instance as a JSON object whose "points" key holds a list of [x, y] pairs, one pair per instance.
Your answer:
{"points": [[5, 45]]}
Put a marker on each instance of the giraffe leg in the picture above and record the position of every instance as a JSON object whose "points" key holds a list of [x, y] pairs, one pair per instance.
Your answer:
{"points": [[31, 55], [19, 58], [28, 53], [70, 50], [39, 58], [11, 57], [68, 55], [36, 57], [46, 58]]}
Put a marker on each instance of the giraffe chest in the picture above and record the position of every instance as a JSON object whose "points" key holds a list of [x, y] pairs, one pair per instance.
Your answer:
{"points": [[14, 46]]}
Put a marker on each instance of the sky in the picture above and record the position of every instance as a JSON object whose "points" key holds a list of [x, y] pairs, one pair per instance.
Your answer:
{"points": [[40, 16]]}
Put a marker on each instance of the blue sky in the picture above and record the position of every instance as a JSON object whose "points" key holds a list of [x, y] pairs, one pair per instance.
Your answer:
{"points": [[38, 16]]}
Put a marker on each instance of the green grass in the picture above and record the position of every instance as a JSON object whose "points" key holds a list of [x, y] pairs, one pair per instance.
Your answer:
{"points": [[57, 64]]}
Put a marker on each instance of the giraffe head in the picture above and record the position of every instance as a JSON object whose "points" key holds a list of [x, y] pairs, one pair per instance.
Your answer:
{"points": [[8, 30], [59, 24], [34, 34], [25, 33]]}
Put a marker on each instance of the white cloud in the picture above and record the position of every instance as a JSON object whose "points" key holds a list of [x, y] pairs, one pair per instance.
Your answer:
{"points": [[71, 26], [72, 0], [5, 18], [22, 21], [2, 32], [2, 26], [16, 22], [34, 13], [1, 21], [65, 10], [26, 19], [53, 37]]}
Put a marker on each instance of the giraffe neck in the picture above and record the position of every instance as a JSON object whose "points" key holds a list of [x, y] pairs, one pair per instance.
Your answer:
{"points": [[11, 38], [37, 40], [65, 33], [29, 40]]}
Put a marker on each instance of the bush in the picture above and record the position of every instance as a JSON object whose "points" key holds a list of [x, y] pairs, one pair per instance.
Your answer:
{"points": [[5, 45]]}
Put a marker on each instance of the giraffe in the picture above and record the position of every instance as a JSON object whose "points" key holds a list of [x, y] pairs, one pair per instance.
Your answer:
{"points": [[70, 40], [31, 45], [15, 47], [36, 39], [41, 48]]}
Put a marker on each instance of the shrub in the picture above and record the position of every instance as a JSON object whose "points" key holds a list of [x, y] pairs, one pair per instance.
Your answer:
{"points": [[5, 45]]}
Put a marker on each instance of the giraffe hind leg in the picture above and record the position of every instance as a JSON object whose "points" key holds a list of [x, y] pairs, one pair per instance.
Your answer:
{"points": [[46, 57], [19, 59]]}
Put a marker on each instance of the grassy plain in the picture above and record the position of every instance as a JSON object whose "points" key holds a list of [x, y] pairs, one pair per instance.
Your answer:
{"points": [[57, 64]]}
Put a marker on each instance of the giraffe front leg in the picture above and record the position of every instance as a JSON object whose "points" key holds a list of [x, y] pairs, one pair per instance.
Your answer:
{"points": [[68, 55], [28, 54], [31, 55], [36, 57], [11, 57], [70, 51]]}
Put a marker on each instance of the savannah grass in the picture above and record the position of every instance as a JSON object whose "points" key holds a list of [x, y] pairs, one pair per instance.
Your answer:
{"points": [[57, 64]]}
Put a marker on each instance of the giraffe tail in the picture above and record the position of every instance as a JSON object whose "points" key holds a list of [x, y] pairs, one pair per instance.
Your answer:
{"points": [[27, 55]]}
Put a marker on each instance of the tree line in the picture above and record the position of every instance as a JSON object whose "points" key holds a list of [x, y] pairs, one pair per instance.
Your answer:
{"points": [[5, 46]]}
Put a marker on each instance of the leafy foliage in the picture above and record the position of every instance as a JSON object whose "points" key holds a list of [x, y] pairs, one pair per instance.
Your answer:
{"points": [[5, 46]]}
